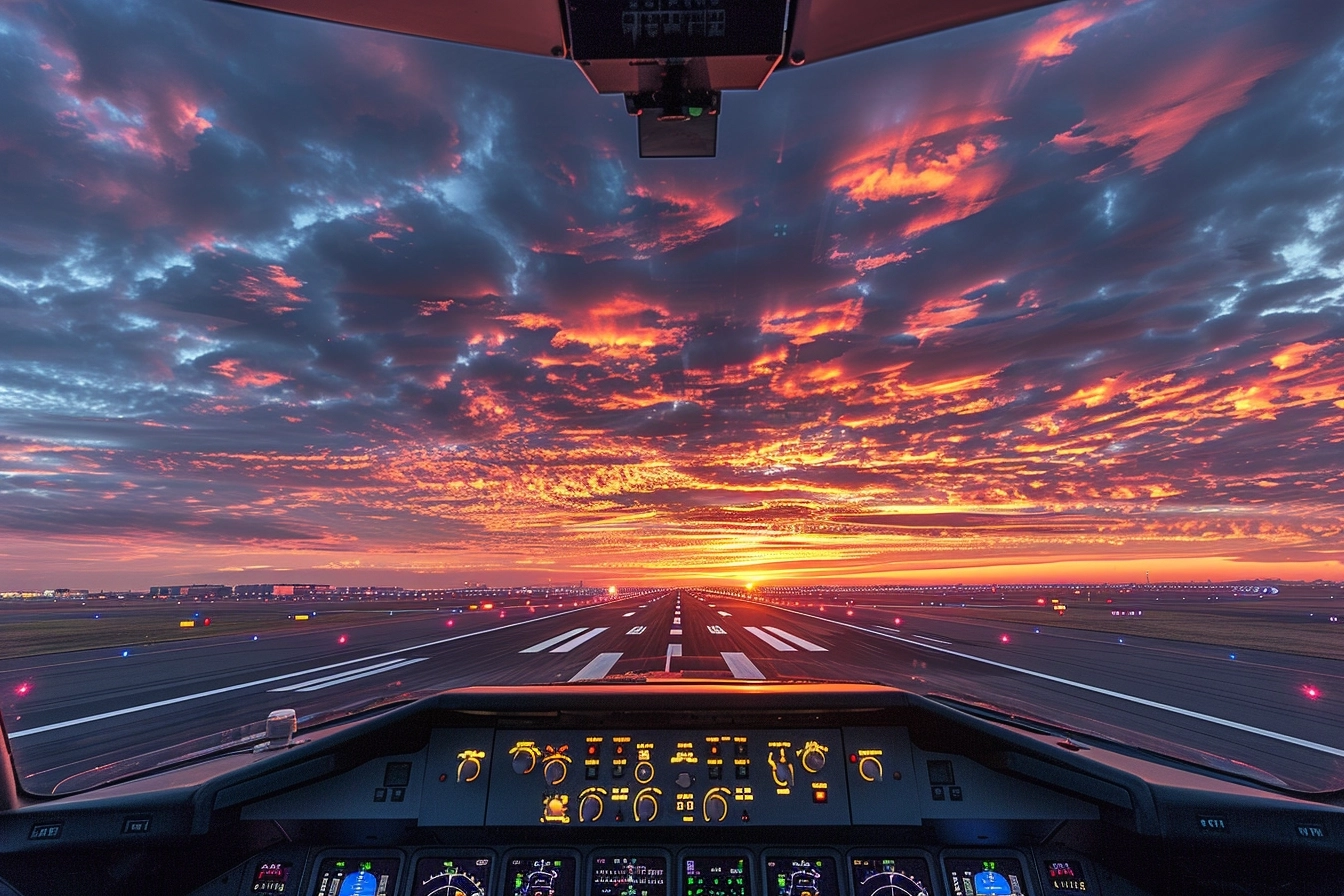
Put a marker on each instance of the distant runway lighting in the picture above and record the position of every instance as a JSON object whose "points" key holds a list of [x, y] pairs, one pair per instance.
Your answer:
{"points": [[342, 639], [1311, 691], [849, 612], [254, 638], [125, 653], [23, 689], [449, 623], [896, 621], [611, 590], [1003, 639]]}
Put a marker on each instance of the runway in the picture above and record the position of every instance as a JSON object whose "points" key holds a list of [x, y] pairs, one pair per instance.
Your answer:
{"points": [[88, 708]]}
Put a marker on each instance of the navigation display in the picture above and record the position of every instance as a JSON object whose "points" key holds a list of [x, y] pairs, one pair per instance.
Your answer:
{"points": [[629, 876], [456, 876], [891, 877], [986, 877], [539, 876], [801, 876], [353, 876], [715, 876]]}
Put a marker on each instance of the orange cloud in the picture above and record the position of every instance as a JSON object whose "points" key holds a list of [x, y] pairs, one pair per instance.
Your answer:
{"points": [[233, 370], [1052, 37], [1169, 104], [805, 325]]}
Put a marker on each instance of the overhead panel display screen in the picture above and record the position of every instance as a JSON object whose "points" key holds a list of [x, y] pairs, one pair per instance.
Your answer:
{"points": [[440, 876], [658, 29], [629, 876], [715, 876], [354, 876], [801, 876], [539, 876], [891, 877], [986, 877]]}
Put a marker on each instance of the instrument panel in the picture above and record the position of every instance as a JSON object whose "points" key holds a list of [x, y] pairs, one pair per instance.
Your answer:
{"points": [[692, 871]]}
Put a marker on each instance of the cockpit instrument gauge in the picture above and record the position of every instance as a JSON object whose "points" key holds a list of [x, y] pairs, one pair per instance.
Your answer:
{"points": [[986, 877], [440, 876], [629, 876], [891, 877], [355, 876], [715, 876], [801, 876], [540, 876]]}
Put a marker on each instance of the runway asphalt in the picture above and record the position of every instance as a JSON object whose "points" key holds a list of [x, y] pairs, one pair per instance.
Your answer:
{"points": [[85, 709]]}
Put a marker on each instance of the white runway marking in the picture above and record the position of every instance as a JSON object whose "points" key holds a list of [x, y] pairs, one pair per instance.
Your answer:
{"points": [[801, 642], [675, 631], [672, 650], [599, 667], [741, 667], [551, 642], [770, 639], [717, 630], [316, 684], [570, 645], [722, 613], [923, 637], [627, 615], [637, 630]]}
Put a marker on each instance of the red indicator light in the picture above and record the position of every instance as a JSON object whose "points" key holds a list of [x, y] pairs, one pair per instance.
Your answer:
{"points": [[853, 758], [897, 620], [341, 640], [849, 612], [449, 623], [1311, 691], [23, 689], [1003, 639], [205, 621], [1041, 601]]}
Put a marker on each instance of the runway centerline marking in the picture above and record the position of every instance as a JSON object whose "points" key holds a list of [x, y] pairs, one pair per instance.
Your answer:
{"points": [[627, 615], [717, 630], [672, 650], [597, 668], [1090, 688], [770, 639], [378, 667], [722, 613], [185, 698], [675, 631], [307, 687], [801, 642], [551, 642], [741, 667], [570, 645], [638, 630]]}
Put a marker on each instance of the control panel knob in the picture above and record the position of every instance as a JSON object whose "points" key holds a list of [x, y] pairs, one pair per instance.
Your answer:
{"points": [[870, 768], [524, 759], [469, 769], [716, 806], [554, 770], [590, 807], [685, 779], [644, 772], [646, 805], [813, 757]]}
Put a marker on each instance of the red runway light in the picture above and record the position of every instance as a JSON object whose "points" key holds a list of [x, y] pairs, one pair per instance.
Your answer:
{"points": [[849, 612], [23, 689], [341, 640], [1003, 639], [1311, 691], [897, 620], [449, 623]]}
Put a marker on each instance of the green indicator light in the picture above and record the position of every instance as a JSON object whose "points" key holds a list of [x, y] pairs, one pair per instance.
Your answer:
{"points": [[695, 111]]}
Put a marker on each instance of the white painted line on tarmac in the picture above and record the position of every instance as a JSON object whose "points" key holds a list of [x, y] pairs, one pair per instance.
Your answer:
{"points": [[627, 615], [551, 642], [597, 668], [741, 667], [570, 645], [1093, 689], [675, 631], [672, 650], [638, 630], [770, 639], [922, 637], [354, 675], [227, 689], [717, 630], [342, 674], [801, 642], [722, 613]]}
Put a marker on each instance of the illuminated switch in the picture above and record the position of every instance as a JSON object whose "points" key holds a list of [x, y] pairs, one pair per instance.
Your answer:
{"points": [[818, 796]]}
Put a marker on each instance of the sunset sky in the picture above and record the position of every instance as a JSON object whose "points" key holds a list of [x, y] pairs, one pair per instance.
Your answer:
{"points": [[1055, 297]]}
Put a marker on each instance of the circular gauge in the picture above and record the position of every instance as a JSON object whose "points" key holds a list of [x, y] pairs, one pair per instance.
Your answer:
{"points": [[890, 883], [450, 883]]}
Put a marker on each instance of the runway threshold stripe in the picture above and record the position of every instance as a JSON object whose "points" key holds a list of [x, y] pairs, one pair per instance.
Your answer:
{"points": [[801, 642], [354, 675], [741, 667], [570, 645], [1093, 689], [597, 668], [228, 689], [551, 642], [770, 639], [672, 650], [341, 674]]}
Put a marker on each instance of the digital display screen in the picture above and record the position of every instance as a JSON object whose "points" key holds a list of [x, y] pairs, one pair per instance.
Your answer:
{"points": [[801, 876], [357, 877], [441, 876], [1065, 876], [539, 876], [272, 877], [891, 877], [629, 876], [986, 877], [715, 876]]}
